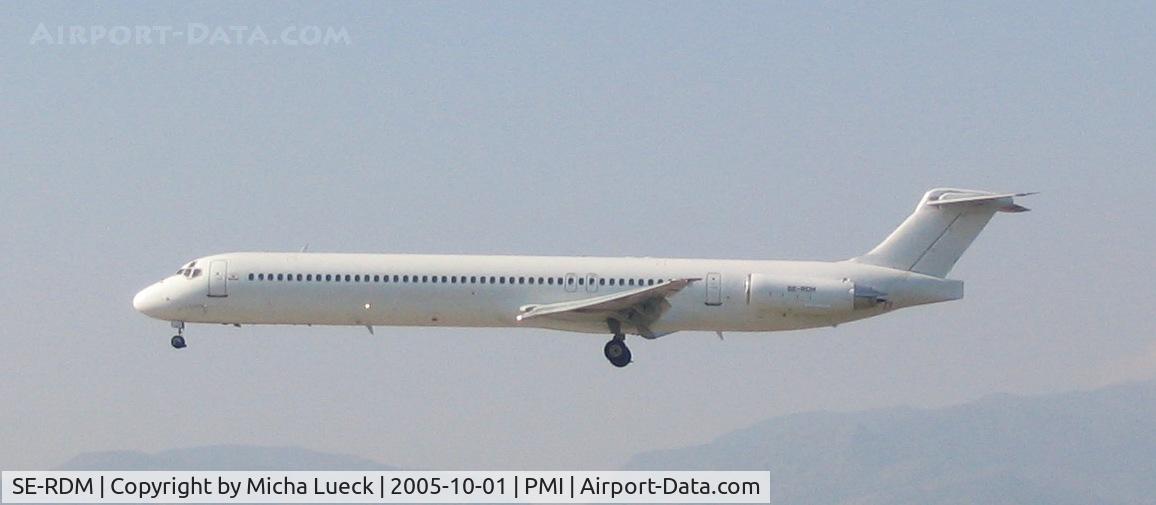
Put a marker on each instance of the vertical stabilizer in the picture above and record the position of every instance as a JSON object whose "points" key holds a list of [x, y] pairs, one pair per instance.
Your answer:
{"points": [[944, 224]]}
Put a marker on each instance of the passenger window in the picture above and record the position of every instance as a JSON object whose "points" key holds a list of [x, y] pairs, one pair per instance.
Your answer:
{"points": [[492, 279], [601, 282], [425, 278], [298, 277], [581, 281], [260, 277], [551, 281], [541, 280], [631, 282], [483, 280], [280, 277]]}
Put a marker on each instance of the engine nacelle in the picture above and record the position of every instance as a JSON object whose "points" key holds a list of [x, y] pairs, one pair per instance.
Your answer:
{"points": [[810, 296]]}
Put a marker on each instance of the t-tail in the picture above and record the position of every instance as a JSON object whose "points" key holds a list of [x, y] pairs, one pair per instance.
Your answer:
{"points": [[944, 224]]}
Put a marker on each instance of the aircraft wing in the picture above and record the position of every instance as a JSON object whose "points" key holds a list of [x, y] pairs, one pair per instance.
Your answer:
{"points": [[637, 307]]}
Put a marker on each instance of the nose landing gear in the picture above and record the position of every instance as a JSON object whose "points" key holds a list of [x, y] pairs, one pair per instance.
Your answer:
{"points": [[178, 340], [616, 350]]}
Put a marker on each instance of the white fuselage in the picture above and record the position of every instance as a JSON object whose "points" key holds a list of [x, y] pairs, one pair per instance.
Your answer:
{"points": [[650, 297], [491, 291]]}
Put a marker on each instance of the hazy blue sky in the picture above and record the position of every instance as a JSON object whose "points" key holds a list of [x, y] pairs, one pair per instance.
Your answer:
{"points": [[750, 130]]}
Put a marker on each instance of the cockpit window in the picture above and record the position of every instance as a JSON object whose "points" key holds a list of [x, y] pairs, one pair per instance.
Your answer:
{"points": [[188, 271]]}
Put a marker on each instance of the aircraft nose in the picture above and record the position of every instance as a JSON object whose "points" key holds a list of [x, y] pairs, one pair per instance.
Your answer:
{"points": [[150, 301]]}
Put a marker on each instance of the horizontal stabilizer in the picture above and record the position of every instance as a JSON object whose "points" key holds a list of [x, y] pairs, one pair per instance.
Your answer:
{"points": [[1006, 199]]}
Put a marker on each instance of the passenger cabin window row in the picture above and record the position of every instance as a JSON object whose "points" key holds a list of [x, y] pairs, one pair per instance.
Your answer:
{"points": [[449, 279]]}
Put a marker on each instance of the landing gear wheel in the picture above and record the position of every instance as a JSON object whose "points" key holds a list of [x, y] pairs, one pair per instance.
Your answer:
{"points": [[617, 352], [178, 340]]}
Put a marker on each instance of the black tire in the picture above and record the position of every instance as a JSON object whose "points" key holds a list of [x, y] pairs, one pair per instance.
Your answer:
{"points": [[617, 353], [178, 342]]}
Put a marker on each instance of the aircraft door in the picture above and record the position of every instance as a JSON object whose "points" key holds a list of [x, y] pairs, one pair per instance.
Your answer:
{"points": [[218, 275], [591, 283], [714, 288]]}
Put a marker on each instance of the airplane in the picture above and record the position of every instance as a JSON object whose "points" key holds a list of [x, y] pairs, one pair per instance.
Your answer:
{"points": [[648, 297]]}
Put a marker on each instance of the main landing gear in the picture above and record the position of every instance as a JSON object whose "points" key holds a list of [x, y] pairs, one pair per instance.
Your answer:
{"points": [[616, 350], [178, 340]]}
